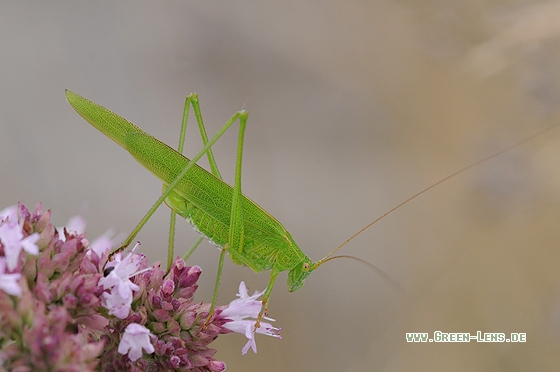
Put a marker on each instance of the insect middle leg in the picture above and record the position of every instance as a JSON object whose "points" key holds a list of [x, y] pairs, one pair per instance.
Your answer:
{"points": [[191, 100]]}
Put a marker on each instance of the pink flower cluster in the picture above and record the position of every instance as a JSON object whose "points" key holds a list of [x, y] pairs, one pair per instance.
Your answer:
{"points": [[43, 312], [64, 307]]}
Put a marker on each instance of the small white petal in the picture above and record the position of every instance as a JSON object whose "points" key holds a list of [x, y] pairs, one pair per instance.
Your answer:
{"points": [[135, 338], [243, 312], [9, 282], [117, 305], [29, 244], [12, 240]]}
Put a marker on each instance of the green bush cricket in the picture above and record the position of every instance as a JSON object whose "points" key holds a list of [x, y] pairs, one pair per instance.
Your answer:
{"points": [[226, 217], [219, 211]]}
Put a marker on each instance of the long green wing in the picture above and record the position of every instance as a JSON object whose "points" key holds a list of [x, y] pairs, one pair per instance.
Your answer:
{"points": [[107, 122], [208, 199]]}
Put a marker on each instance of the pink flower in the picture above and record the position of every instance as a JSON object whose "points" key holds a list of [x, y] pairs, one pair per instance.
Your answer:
{"points": [[9, 282], [243, 313], [117, 304], [9, 212], [77, 224], [106, 242], [119, 299], [12, 239], [60, 319], [135, 338]]}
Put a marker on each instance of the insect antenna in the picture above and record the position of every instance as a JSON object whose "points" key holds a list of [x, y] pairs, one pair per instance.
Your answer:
{"points": [[472, 165], [376, 270]]}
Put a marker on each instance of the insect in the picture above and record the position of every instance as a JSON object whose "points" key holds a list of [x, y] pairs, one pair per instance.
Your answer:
{"points": [[225, 216]]}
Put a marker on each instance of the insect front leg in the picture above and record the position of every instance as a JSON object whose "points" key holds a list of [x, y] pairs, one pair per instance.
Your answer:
{"points": [[264, 308]]}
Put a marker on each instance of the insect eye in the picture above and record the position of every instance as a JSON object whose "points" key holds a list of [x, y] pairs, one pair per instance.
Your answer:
{"points": [[305, 267]]}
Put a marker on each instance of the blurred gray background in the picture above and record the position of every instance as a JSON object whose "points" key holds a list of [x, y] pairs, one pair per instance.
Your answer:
{"points": [[354, 106]]}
